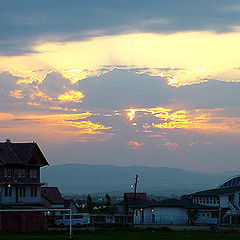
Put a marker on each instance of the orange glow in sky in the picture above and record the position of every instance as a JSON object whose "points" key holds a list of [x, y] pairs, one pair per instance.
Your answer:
{"points": [[187, 58], [198, 119], [71, 96]]}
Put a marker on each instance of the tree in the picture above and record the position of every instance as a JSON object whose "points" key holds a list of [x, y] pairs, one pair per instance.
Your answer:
{"points": [[108, 204], [89, 204], [193, 216]]}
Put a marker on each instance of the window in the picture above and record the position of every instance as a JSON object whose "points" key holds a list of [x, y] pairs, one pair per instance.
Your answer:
{"points": [[19, 173], [33, 191], [23, 173], [5, 172], [20, 191], [15, 174], [9, 172], [153, 217], [8, 191], [31, 173], [34, 173]]}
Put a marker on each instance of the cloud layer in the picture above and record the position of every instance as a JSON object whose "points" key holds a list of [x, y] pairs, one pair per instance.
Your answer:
{"points": [[124, 113], [25, 23]]}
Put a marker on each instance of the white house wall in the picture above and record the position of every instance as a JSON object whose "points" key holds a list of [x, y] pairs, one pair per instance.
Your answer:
{"points": [[27, 199], [236, 199], [205, 217], [161, 215], [224, 201]]}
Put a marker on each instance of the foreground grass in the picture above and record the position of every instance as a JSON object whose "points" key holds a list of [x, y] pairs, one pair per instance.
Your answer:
{"points": [[124, 235]]}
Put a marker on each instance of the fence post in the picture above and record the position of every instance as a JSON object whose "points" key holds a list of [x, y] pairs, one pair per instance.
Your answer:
{"points": [[70, 219]]}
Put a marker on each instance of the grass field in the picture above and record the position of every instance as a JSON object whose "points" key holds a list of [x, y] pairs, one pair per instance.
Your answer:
{"points": [[125, 235]]}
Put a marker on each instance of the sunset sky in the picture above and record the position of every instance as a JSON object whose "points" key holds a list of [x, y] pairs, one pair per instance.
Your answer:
{"points": [[153, 83]]}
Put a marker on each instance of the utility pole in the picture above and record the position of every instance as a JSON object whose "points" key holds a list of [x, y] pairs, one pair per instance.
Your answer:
{"points": [[134, 198]]}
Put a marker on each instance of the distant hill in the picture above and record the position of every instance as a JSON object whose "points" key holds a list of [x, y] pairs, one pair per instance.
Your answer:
{"points": [[85, 178]]}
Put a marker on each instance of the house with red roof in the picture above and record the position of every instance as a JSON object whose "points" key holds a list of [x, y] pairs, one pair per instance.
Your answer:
{"points": [[52, 198], [70, 204], [20, 186]]}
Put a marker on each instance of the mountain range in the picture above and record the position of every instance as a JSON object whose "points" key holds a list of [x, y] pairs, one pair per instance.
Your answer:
{"points": [[85, 178]]}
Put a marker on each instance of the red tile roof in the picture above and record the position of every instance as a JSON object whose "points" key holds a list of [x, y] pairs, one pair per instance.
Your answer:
{"points": [[52, 194], [67, 202], [139, 196], [21, 153]]}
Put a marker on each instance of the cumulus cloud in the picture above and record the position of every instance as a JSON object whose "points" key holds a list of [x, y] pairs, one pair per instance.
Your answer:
{"points": [[8, 82]]}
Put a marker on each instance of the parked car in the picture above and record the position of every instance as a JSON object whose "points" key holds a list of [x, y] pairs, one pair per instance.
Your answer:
{"points": [[78, 220]]}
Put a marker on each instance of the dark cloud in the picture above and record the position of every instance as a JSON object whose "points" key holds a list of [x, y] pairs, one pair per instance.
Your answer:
{"points": [[120, 89], [210, 94], [124, 88], [54, 84], [8, 81], [24, 23]]}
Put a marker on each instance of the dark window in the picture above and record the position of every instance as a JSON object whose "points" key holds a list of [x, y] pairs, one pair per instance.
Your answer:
{"points": [[8, 191], [24, 192], [20, 192], [33, 191], [5, 172], [9, 173]]}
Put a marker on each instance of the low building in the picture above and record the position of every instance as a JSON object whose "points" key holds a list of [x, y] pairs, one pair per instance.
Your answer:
{"points": [[125, 206], [52, 198], [171, 211], [225, 199]]}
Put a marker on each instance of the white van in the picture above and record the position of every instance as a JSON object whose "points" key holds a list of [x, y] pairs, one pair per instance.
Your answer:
{"points": [[78, 220]]}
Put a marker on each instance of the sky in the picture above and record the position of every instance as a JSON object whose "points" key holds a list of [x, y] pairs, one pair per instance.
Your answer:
{"points": [[147, 83]]}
